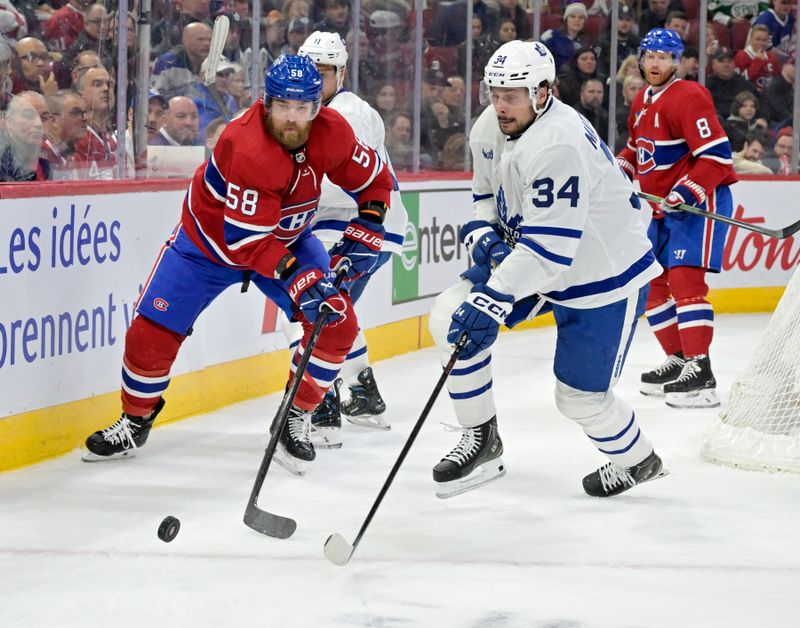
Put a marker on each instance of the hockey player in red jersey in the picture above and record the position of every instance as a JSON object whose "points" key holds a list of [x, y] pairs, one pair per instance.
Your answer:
{"points": [[246, 217], [678, 150]]}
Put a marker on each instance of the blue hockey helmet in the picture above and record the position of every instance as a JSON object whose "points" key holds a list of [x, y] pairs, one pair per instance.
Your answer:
{"points": [[662, 40], [292, 77]]}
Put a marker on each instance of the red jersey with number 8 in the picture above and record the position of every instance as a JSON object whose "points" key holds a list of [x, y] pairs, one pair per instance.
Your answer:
{"points": [[254, 197], [675, 134]]}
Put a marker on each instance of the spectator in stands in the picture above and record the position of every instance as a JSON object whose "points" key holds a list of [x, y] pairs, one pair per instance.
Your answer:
{"points": [[181, 124], [66, 74], [451, 157], [447, 124], [654, 16], [299, 30], [195, 44], [755, 63], [95, 29], [398, 140], [64, 26], [21, 144], [274, 35], [689, 65], [748, 160], [6, 84], [385, 101], [337, 17], [156, 115], [233, 42], [213, 131], [96, 149], [39, 102], [631, 85], [68, 128], [433, 81], [449, 17], [481, 51], [627, 42], [506, 32], [207, 106], [724, 83], [14, 22], [678, 21], [712, 43], [779, 96], [780, 22], [35, 71], [564, 42], [743, 119], [591, 107], [191, 11], [237, 87], [391, 56], [779, 158], [514, 10], [453, 95], [582, 66], [295, 8], [732, 12]]}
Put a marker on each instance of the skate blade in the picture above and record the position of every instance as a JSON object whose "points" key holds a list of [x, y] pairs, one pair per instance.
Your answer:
{"points": [[372, 421], [326, 437], [293, 465], [489, 472], [91, 457], [699, 399], [651, 390]]}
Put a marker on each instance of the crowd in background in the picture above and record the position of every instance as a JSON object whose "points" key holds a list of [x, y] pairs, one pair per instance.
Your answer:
{"points": [[58, 74]]}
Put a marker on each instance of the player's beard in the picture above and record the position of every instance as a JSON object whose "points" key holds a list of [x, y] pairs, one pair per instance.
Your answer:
{"points": [[662, 80], [291, 135]]}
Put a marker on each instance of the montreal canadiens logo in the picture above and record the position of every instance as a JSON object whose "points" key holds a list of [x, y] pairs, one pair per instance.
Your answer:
{"points": [[645, 155], [160, 304]]}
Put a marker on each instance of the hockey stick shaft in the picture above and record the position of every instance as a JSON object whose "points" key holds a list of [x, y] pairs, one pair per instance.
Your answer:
{"points": [[255, 518], [339, 551], [218, 36], [772, 233]]}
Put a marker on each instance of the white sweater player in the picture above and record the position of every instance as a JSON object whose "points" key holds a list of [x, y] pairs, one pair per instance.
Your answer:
{"points": [[557, 228]]}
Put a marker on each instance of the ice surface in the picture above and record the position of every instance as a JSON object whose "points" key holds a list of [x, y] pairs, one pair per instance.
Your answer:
{"points": [[706, 546]]}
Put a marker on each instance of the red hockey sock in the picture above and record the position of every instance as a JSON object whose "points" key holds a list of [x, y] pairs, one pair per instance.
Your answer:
{"points": [[695, 313], [150, 350], [662, 315]]}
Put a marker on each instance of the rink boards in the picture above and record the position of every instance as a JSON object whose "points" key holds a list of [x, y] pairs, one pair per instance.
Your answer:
{"points": [[73, 258]]}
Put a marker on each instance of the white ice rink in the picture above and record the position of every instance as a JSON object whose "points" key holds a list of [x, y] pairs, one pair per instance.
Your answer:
{"points": [[706, 546]]}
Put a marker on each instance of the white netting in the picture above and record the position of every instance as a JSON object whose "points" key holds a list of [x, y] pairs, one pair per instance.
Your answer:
{"points": [[760, 426]]}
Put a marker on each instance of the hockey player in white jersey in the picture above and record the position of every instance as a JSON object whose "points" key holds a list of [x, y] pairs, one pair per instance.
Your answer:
{"points": [[336, 208], [557, 227]]}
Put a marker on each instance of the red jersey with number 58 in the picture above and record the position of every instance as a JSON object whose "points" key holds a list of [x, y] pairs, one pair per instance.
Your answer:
{"points": [[675, 135], [254, 197]]}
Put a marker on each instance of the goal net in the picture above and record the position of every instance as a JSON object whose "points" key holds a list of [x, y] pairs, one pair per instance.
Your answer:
{"points": [[759, 428]]}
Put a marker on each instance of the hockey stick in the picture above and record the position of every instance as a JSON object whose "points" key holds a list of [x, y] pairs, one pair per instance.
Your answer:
{"points": [[772, 233], [263, 521], [337, 549], [210, 65]]}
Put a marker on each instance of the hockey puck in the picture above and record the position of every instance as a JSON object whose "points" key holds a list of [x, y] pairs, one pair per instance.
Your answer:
{"points": [[168, 529]]}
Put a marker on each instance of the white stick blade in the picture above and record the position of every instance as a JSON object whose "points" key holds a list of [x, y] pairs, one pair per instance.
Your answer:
{"points": [[337, 550]]}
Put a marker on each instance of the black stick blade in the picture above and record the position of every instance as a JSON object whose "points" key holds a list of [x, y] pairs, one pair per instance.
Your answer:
{"points": [[268, 523], [337, 550]]}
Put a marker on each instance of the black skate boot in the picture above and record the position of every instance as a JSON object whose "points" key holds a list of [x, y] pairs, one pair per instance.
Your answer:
{"points": [[366, 404], [695, 387], [326, 422], [121, 439], [653, 381], [294, 446], [475, 461], [611, 480]]}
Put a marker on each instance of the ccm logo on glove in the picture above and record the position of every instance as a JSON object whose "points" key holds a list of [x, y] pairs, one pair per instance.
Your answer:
{"points": [[369, 238], [490, 306]]}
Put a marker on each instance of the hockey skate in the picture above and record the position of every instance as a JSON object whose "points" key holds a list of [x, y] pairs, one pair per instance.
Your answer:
{"points": [[122, 439], [653, 381], [366, 406], [696, 386], [326, 422], [611, 479], [294, 448], [475, 461]]}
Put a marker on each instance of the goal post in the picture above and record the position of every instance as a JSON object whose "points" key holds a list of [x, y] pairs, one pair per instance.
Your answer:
{"points": [[759, 427]]}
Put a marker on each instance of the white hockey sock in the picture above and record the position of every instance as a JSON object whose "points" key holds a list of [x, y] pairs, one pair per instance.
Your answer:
{"points": [[470, 388], [357, 360]]}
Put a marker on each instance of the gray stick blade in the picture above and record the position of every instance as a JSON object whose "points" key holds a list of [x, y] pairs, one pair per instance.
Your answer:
{"points": [[337, 550], [270, 524]]}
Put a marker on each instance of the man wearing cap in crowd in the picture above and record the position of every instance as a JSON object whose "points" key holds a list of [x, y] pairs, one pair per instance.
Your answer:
{"points": [[779, 158], [627, 42], [336, 18], [274, 37], [725, 83], [563, 42], [299, 29]]}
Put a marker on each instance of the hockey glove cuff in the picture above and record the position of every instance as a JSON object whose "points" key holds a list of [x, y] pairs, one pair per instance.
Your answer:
{"points": [[483, 243], [627, 167], [310, 289], [361, 244], [685, 191], [480, 317]]}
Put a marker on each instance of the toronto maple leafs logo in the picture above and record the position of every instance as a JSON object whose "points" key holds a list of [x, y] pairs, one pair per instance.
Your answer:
{"points": [[509, 223], [487, 154]]}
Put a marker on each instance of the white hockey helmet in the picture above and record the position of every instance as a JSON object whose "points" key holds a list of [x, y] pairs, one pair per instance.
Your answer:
{"points": [[519, 64], [326, 49]]}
